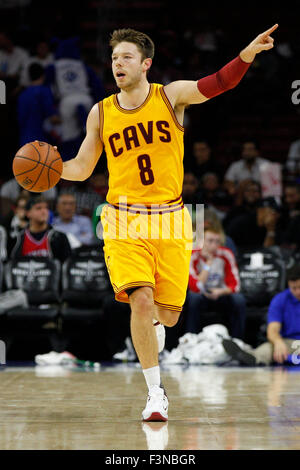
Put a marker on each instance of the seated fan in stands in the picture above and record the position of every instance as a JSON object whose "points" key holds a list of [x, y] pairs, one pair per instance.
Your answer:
{"points": [[78, 227], [283, 331], [261, 226], [39, 238], [214, 285]]}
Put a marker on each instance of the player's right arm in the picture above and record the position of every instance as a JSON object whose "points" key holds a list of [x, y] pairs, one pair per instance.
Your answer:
{"points": [[82, 166]]}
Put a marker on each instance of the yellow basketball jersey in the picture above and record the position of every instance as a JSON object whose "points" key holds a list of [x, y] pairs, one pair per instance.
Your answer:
{"points": [[144, 148]]}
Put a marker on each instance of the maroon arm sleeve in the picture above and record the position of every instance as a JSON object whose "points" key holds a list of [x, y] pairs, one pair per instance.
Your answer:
{"points": [[225, 79]]}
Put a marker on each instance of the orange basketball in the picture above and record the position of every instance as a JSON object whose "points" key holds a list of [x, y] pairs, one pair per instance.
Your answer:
{"points": [[37, 166]]}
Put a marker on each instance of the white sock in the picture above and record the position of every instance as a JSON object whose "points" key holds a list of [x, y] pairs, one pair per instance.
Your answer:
{"points": [[152, 376]]}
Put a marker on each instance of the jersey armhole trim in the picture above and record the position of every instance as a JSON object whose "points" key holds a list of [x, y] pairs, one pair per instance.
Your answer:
{"points": [[170, 108], [101, 119]]}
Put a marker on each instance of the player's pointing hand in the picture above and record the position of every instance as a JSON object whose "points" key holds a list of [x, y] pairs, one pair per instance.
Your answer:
{"points": [[263, 42]]}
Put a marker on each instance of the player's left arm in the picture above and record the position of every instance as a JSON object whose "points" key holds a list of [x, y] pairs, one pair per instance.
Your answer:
{"points": [[186, 92]]}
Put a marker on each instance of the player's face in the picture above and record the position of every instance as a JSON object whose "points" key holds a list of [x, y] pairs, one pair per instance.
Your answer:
{"points": [[127, 65], [294, 287]]}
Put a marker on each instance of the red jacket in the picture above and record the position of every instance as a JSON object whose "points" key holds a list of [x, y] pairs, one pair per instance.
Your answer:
{"points": [[223, 271]]}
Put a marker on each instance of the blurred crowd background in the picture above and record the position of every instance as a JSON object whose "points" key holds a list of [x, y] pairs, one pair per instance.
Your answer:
{"points": [[56, 63]]}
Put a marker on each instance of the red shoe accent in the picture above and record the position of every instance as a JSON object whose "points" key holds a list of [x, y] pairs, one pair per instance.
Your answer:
{"points": [[157, 323], [156, 417]]}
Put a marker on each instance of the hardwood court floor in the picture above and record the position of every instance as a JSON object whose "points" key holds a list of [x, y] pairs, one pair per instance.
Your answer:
{"points": [[211, 408]]}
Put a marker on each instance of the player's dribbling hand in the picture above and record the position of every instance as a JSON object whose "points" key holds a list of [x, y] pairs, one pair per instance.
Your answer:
{"points": [[263, 42], [54, 146]]}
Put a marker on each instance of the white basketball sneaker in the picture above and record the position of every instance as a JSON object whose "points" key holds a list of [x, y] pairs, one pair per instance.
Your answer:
{"points": [[160, 334], [156, 406]]}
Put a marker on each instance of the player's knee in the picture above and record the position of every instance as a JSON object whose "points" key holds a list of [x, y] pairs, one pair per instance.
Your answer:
{"points": [[168, 317], [171, 320], [141, 302]]}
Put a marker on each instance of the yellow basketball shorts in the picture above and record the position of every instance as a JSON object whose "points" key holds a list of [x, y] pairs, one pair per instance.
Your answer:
{"points": [[148, 249]]}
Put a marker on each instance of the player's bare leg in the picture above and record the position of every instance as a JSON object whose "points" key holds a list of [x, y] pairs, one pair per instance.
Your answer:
{"points": [[142, 331], [146, 346], [166, 317]]}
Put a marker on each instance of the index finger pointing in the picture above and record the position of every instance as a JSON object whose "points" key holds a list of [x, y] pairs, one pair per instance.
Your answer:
{"points": [[270, 31]]}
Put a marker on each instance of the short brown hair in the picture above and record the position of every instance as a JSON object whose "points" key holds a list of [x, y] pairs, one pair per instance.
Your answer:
{"points": [[213, 229], [141, 40], [212, 223]]}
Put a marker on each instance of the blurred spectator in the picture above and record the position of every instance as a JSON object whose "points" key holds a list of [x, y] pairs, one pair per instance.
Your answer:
{"points": [[291, 201], [76, 87], [190, 189], [43, 57], [291, 216], [206, 40], [35, 105], [214, 285], [39, 238], [261, 227], [212, 194], [282, 331], [87, 198], [211, 220], [246, 201], [67, 221], [202, 161], [248, 167], [13, 60], [10, 191], [16, 220]]}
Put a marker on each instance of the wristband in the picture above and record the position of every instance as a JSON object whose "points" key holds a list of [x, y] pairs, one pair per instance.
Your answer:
{"points": [[206, 267]]}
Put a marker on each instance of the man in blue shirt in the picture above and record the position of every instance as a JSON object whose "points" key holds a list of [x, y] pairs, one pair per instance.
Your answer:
{"points": [[78, 228], [35, 105], [283, 329]]}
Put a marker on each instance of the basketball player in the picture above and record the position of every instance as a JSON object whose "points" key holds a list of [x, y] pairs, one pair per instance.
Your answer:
{"points": [[141, 130]]}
